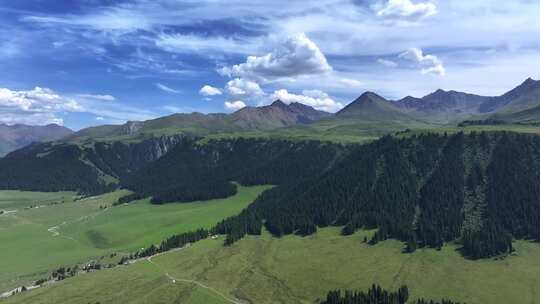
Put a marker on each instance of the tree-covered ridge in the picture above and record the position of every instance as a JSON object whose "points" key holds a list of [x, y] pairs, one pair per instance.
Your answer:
{"points": [[201, 171], [92, 168], [376, 295], [479, 189]]}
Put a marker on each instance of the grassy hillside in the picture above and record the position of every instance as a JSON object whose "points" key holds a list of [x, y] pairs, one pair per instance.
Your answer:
{"points": [[39, 240], [301, 270]]}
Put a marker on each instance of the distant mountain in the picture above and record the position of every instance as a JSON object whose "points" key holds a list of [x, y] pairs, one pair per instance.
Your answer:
{"points": [[276, 115], [450, 106], [372, 107], [17, 136], [193, 123], [523, 97], [442, 106], [273, 116]]}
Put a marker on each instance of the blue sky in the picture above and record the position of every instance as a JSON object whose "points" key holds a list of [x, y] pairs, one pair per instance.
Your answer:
{"points": [[89, 62]]}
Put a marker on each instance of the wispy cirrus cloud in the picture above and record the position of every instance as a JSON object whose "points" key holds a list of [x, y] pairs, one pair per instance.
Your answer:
{"points": [[387, 63], [120, 47], [167, 89], [97, 97]]}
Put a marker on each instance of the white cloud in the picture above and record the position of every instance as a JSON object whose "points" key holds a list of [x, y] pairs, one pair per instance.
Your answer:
{"points": [[208, 90], [234, 105], [243, 87], [387, 63], [98, 97], [33, 119], [350, 82], [41, 106], [100, 118], [298, 56], [179, 43], [37, 100], [314, 98], [167, 89], [431, 64], [112, 19], [36, 106], [407, 9]]}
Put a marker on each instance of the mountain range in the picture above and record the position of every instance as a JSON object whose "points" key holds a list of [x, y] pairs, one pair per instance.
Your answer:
{"points": [[369, 111], [451, 106], [368, 114], [13, 137], [264, 118]]}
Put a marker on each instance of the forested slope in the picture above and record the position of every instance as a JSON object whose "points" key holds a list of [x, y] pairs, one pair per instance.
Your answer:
{"points": [[480, 189], [90, 169], [206, 170]]}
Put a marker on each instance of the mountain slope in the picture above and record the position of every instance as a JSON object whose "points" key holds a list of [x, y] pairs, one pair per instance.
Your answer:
{"points": [[17, 136], [524, 96], [528, 116], [425, 190], [372, 107], [190, 123], [276, 115], [442, 106], [268, 117]]}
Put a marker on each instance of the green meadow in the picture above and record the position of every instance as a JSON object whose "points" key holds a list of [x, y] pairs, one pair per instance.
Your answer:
{"points": [[293, 269], [63, 231]]}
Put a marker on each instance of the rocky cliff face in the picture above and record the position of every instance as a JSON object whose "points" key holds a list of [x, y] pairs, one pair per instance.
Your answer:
{"points": [[119, 159]]}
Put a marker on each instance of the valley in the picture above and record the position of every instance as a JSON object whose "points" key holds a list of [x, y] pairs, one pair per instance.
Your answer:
{"points": [[179, 209], [269, 152], [293, 269], [40, 240]]}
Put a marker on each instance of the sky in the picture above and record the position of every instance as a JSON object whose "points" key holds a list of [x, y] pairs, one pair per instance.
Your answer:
{"points": [[91, 62]]}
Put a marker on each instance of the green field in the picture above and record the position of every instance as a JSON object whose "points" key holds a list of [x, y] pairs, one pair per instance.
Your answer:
{"points": [[38, 240], [300, 270]]}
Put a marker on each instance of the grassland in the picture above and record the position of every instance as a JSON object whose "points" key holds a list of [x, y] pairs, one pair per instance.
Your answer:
{"points": [[38, 240], [354, 131], [526, 129], [300, 270]]}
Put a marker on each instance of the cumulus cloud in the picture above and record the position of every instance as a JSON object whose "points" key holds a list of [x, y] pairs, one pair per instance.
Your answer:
{"points": [[387, 63], [37, 100], [406, 9], [100, 118], [298, 56], [208, 90], [431, 64], [243, 87], [36, 106], [167, 89], [314, 98], [98, 97], [234, 105]]}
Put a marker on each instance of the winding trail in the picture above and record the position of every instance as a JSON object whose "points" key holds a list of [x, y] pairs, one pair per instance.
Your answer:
{"points": [[174, 280], [55, 230]]}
